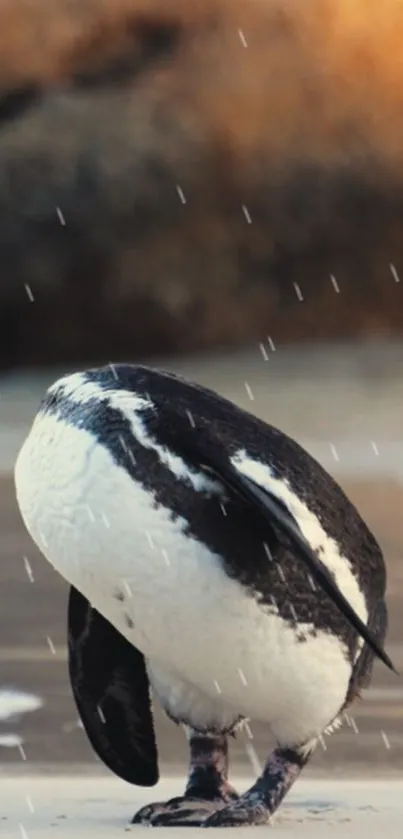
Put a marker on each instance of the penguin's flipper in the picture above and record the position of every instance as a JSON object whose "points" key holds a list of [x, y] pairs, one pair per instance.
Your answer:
{"points": [[111, 690], [277, 514]]}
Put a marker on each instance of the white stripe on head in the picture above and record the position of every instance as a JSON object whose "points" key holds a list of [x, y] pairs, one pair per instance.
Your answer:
{"points": [[77, 388]]}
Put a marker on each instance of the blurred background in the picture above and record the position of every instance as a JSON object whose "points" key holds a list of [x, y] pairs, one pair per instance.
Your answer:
{"points": [[215, 187]]}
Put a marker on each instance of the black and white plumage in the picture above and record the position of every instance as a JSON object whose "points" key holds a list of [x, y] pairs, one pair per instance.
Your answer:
{"points": [[209, 557]]}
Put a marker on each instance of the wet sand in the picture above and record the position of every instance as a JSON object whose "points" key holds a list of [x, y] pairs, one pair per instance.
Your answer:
{"points": [[39, 808]]}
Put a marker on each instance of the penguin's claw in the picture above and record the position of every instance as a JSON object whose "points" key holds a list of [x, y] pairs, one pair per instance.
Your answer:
{"points": [[178, 812], [241, 813]]}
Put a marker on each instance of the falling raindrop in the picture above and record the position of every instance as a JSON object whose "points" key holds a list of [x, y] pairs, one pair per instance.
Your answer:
{"points": [[323, 743], [165, 555], [249, 391], [248, 729], [22, 751], [354, 725], [28, 569], [51, 645], [268, 551], [190, 418], [242, 677], [127, 588], [246, 214], [149, 539], [298, 292], [61, 216], [394, 273], [242, 38], [281, 573], [386, 740], [334, 452], [181, 194], [101, 714], [293, 612]]}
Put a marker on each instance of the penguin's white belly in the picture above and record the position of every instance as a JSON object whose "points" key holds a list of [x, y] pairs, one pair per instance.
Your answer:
{"points": [[169, 594]]}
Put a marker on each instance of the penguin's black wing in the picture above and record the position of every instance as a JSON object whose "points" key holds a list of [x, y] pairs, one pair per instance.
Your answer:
{"points": [[276, 513], [205, 451], [111, 691]]}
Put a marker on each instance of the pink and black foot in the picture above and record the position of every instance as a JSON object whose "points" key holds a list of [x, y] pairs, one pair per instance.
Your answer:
{"points": [[261, 801], [207, 789]]}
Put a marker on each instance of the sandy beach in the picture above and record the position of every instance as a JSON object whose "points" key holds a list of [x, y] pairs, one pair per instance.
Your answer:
{"points": [[66, 807], [346, 406]]}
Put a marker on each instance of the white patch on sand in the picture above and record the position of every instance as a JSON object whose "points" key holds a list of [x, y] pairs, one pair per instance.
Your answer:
{"points": [[10, 741], [13, 703]]}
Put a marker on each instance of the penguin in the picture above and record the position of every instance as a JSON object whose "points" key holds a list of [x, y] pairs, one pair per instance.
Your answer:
{"points": [[213, 564]]}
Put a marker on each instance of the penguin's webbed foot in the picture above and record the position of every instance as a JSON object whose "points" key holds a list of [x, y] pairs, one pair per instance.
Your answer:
{"points": [[258, 804], [184, 811], [240, 814], [207, 789]]}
